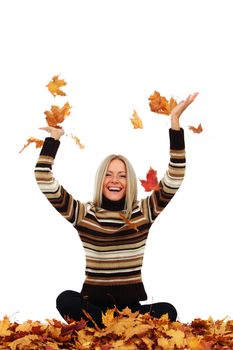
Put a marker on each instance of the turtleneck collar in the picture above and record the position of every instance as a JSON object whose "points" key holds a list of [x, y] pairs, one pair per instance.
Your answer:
{"points": [[113, 205]]}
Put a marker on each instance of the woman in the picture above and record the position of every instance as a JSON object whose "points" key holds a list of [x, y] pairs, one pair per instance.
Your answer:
{"points": [[113, 227]]}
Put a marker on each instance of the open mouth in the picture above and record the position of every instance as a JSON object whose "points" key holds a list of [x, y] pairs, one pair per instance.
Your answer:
{"points": [[114, 189]]}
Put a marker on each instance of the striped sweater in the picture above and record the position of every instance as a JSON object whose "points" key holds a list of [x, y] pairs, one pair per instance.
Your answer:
{"points": [[114, 246]]}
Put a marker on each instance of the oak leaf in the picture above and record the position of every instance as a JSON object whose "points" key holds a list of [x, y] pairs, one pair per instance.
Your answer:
{"points": [[57, 115], [54, 86], [151, 182], [136, 121], [38, 143], [197, 130], [159, 104]]}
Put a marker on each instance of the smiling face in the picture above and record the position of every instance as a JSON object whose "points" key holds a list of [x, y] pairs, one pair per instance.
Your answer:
{"points": [[115, 181]]}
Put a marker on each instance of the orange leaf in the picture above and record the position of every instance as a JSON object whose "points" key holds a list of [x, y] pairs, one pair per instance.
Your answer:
{"points": [[197, 130], [151, 182], [159, 104], [136, 121], [4, 327], [57, 115], [39, 143], [54, 86], [108, 316]]}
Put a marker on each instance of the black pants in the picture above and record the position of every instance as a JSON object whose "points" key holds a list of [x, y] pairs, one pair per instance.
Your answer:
{"points": [[70, 303]]}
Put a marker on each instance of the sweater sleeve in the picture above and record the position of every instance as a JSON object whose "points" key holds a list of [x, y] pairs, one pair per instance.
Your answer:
{"points": [[62, 201], [172, 180]]}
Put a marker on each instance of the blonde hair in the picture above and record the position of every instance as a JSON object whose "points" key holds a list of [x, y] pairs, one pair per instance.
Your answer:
{"points": [[131, 190]]}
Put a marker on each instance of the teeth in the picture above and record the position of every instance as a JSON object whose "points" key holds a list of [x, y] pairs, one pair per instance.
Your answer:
{"points": [[114, 189]]}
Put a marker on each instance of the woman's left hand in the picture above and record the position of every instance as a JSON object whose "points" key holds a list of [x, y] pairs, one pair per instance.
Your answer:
{"points": [[179, 109]]}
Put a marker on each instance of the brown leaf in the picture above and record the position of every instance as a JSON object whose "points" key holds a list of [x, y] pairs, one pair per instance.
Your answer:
{"points": [[128, 222]]}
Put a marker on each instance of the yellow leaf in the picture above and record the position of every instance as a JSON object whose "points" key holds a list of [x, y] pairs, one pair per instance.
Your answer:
{"points": [[177, 337], [77, 141], [25, 342], [136, 121], [108, 317], [165, 344], [54, 86], [4, 327]]}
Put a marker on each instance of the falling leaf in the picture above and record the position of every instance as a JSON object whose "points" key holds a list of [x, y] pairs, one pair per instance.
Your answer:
{"points": [[136, 121], [159, 104], [38, 143], [57, 115], [128, 222], [54, 86], [197, 130], [77, 141], [151, 182]]}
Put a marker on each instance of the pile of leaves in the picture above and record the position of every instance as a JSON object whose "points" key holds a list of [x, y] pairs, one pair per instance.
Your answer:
{"points": [[122, 330]]}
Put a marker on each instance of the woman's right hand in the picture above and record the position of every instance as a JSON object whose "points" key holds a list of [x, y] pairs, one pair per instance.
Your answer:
{"points": [[55, 133]]}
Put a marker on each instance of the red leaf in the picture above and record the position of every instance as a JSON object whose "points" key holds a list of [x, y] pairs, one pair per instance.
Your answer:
{"points": [[151, 182], [197, 130]]}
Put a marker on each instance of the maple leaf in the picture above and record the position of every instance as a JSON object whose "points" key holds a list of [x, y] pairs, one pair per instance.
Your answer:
{"points": [[4, 327], [77, 141], [57, 115], [151, 182], [54, 86], [136, 121], [108, 316], [197, 130], [159, 104], [38, 143]]}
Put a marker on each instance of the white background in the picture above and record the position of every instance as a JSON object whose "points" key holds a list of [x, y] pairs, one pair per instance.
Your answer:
{"points": [[113, 55]]}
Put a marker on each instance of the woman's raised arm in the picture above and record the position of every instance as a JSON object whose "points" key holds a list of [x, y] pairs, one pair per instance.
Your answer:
{"points": [[62, 201]]}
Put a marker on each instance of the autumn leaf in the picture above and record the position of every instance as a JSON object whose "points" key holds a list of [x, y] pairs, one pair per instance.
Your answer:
{"points": [[4, 327], [108, 316], [136, 121], [151, 182], [77, 141], [38, 143], [54, 86], [128, 222], [159, 104], [197, 130], [57, 115]]}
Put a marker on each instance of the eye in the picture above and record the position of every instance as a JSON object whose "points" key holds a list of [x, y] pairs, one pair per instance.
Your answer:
{"points": [[124, 176], [108, 174]]}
